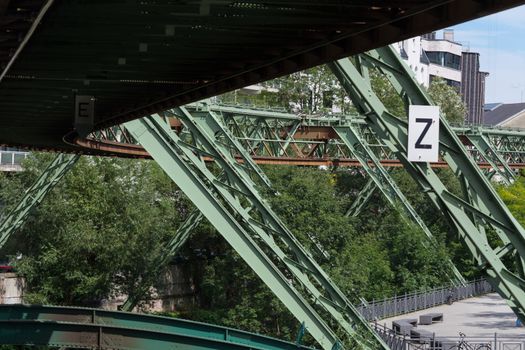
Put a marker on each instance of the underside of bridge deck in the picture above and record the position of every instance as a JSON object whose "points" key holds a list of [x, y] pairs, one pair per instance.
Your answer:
{"points": [[140, 57]]}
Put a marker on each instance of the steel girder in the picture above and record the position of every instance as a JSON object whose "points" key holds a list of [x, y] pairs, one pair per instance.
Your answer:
{"points": [[54, 172], [249, 169], [270, 135], [244, 219], [487, 150], [275, 137], [71, 327], [382, 179], [362, 198], [481, 205]]}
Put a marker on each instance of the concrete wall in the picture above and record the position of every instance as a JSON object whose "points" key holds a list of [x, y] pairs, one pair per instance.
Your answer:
{"points": [[442, 46], [176, 292], [413, 50], [11, 288], [444, 72]]}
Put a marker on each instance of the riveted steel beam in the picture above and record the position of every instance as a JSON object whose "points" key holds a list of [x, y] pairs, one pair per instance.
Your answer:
{"points": [[485, 205], [238, 212], [71, 327], [214, 125], [35, 194], [362, 198], [389, 188], [492, 156]]}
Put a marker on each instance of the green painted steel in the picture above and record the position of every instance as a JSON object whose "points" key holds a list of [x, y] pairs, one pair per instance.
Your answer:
{"points": [[491, 154], [220, 45], [214, 125], [244, 219], [101, 329], [352, 138], [362, 198], [270, 132], [35, 194], [479, 206]]}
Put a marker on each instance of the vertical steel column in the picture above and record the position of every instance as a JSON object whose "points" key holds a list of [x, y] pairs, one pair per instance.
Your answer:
{"points": [[486, 207], [54, 172], [238, 212]]}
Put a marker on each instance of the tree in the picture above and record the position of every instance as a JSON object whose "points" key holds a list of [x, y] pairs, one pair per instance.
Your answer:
{"points": [[98, 233], [449, 101]]}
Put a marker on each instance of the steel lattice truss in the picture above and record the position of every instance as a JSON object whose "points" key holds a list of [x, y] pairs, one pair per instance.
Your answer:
{"points": [[478, 208], [191, 143], [276, 137]]}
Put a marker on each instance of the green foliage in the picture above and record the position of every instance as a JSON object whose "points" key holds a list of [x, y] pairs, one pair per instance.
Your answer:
{"points": [[101, 231], [514, 198], [98, 233], [449, 101], [313, 91], [387, 94], [310, 91]]}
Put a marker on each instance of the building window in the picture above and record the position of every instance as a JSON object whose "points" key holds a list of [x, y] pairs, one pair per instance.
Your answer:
{"points": [[445, 59]]}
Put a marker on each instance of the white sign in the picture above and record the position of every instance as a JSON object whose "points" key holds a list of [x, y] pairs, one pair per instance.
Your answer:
{"points": [[423, 133], [84, 114]]}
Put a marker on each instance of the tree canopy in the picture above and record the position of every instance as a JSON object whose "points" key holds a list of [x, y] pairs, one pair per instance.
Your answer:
{"points": [[101, 231]]}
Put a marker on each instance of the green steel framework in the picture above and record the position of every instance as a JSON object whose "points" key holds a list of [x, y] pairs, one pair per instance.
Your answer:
{"points": [[232, 203], [480, 204], [244, 219], [382, 179], [35, 194], [248, 169], [362, 198], [73, 327]]}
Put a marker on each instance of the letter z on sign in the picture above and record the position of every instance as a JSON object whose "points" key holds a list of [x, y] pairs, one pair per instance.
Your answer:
{"points": [[423, 133]]}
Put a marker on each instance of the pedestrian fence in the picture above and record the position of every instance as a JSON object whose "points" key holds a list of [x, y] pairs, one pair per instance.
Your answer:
{"points": [[410, 302], [493, 342]]}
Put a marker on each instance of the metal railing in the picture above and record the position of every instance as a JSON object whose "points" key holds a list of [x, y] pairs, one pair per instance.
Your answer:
{"points": [[492, 342], [399, 305]]}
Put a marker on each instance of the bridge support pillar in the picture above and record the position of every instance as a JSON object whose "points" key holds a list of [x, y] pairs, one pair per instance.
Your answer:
{"points": [[35, 194], [233, 205]]}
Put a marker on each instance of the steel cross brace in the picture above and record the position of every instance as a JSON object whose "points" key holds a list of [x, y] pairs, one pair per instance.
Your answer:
{"points": [[491, 155], [382, 179], [210, 121], [484, 204], [238, 212], [54, 172], [362, 198]]}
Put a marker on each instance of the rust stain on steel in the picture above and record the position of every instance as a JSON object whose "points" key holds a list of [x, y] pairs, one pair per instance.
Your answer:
{"points": [[129, 150]]}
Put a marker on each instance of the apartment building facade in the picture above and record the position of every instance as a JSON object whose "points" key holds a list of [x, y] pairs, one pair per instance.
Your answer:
{"points": [[430, 57]]}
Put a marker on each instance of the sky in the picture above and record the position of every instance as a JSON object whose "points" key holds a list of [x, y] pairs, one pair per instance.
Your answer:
{"points": [[500, 40]]}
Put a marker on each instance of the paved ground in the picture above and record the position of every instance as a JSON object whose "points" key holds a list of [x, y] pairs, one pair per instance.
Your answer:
{"points": [[476, 317]]}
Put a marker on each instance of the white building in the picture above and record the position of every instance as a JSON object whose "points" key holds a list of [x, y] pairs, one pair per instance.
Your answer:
{"points": [[429, 57], [411, 50]]}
